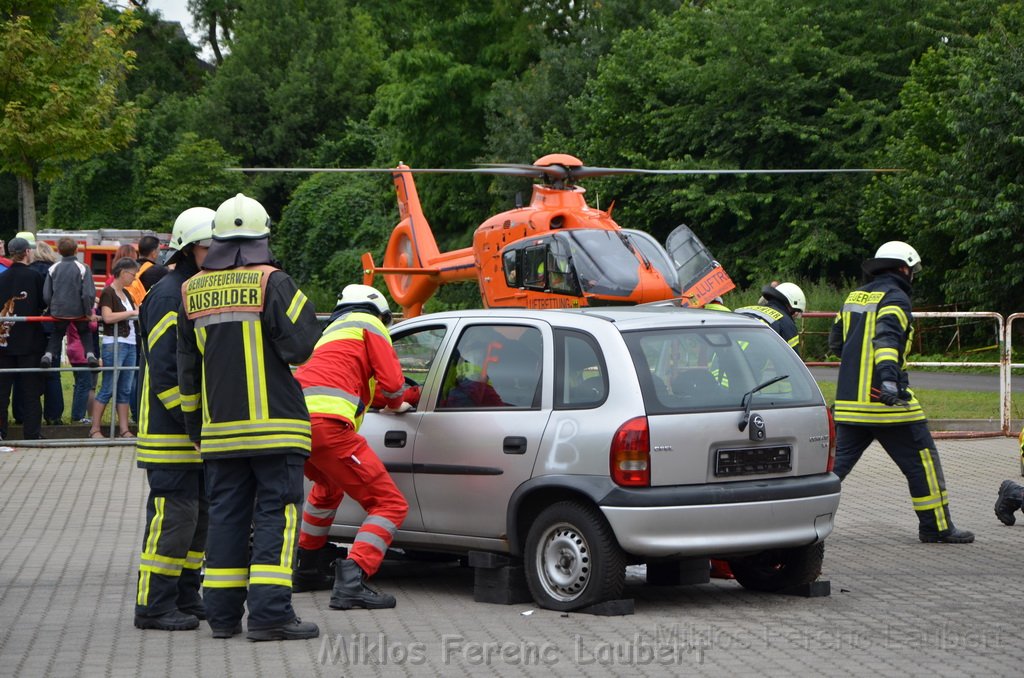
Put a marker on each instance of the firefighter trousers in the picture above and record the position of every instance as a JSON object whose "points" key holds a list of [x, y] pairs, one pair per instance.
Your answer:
{"points": [[912, 448], [172, 547], [255, 496], [343, 463]]}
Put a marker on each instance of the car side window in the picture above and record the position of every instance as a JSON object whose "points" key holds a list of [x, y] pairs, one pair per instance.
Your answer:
{"points": [[493, 366], [581, 379], [417, 350]]}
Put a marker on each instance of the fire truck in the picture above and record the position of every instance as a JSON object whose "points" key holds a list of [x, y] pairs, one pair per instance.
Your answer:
{"points": [[96, 247]]}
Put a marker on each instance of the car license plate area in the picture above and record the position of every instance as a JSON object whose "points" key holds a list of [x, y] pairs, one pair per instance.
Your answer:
{"points": [[750, 461]]}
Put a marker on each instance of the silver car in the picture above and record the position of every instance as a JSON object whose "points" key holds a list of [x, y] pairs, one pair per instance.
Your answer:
{"points": [[584, 440]]}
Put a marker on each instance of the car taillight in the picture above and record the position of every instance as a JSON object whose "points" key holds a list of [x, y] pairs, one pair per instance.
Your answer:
{"points": [[630, 456], [831, 440]]}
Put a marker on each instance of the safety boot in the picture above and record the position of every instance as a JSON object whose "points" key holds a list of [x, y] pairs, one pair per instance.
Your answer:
{"points": [[1011, 497], [351, 591], [950, 536], [296, 629], [230, 632], [314, 568], [175, 620], [195, 608]]}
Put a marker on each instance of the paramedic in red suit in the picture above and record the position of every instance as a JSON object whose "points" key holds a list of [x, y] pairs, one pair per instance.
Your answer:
{"points": [[353, 366]]}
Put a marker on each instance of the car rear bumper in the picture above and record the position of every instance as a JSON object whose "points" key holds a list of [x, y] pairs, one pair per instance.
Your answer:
{"points": [[723, 518]]}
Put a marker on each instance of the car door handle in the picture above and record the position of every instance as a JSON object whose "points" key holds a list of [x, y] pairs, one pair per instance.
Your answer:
{"points": [[514, 445], [394, 439]]}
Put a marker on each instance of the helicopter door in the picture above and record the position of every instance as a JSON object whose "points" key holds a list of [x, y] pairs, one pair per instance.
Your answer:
{"points": [[545, 267], [700, 276]]}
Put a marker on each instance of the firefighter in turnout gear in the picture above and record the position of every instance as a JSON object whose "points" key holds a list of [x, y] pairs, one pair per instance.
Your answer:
{"points": [[353, 367], [778, 307], [176, 511], [242, 323], [872, 335]]}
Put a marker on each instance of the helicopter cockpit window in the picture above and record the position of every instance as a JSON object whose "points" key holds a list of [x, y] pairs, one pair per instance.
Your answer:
{"points": [[656, 254], [535, 266], [508, 263]]}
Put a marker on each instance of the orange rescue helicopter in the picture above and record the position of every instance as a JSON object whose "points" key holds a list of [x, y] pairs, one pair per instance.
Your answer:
{"points": [[556, 252]]}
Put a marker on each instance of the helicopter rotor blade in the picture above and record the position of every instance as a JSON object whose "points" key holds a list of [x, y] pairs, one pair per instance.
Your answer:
{"points": [[559, 171], [583, 172]]}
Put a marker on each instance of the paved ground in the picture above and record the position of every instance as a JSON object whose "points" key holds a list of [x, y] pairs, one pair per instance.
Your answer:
{"points": [[71, 522]]}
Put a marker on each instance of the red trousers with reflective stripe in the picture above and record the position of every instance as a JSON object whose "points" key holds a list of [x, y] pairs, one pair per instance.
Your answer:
{"points": [[343, 463]]}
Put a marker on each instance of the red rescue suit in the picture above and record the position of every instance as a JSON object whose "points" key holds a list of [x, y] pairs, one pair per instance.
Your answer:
{"points": [[353, 366]]}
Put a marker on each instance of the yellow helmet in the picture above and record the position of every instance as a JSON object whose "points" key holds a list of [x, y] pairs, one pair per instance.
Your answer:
{"points": [[241, 217], [27, 235]]}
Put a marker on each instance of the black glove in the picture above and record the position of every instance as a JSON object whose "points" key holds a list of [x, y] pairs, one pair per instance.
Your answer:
{"points": [[889, 394]]}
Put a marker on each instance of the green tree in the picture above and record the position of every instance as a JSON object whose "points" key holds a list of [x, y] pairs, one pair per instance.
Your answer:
{"points": [[191, 175], [960, 136], [299, 77], [62, 70], [217, 19], [773, 84], [329, 223], [106, 192]]}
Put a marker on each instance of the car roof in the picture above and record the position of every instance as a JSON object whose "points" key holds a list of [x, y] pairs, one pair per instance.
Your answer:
{"points": [[626, 318]]}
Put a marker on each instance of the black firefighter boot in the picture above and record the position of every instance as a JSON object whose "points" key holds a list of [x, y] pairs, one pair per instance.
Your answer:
{"points": [[312, 573], [351, 591], [1011, 497]]}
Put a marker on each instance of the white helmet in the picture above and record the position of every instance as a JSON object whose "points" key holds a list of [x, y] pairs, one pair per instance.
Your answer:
{"points": [[893, 254], [241, 217], [793, 295], [28, 236], [193, 225], [364, 295], [788, 293]]}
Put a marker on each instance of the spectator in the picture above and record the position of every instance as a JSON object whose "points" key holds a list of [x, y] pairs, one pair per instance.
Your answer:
{"points": [[43, 258], [149, 270], [85, 381], [121, 252], [23, 288], [119, 332], [70, 293]]}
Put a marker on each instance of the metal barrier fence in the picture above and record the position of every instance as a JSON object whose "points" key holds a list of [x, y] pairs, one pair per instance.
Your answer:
{"points": [[57, 368], [1004, 364]]}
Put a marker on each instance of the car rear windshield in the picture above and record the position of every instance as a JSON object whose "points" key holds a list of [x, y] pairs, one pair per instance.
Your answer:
{"points": [[701, 369]]}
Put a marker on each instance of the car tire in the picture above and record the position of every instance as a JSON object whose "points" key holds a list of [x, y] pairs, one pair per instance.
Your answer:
{"points": [[572, 558], [778, 569]]}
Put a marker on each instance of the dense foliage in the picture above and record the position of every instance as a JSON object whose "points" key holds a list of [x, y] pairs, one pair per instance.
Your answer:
{"points": [[932, 87]]}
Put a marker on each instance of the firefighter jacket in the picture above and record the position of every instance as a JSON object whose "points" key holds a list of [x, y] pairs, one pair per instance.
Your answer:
{"points": [[872, 336], [778, 318], [239, 329], [353, 359], [163, 441]]}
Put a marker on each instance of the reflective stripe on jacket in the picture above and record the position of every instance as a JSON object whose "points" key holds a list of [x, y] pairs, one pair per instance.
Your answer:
{"points": [[353, 358], [239, 330], [872, 336]]}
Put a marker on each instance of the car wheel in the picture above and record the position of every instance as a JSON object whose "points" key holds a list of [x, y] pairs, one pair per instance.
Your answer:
{"points": [[779, 568], [572, 558]]}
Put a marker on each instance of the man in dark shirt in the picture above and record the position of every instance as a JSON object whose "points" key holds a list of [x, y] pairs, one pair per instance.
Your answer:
{"points": [[25, 343]]}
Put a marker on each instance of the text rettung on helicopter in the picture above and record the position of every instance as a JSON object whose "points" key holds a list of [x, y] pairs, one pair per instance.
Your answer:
{"points": [[557, 252]]}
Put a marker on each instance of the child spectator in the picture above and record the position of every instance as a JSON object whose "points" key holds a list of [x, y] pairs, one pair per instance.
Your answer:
{"points": [[85, 382], [70, 293]]}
